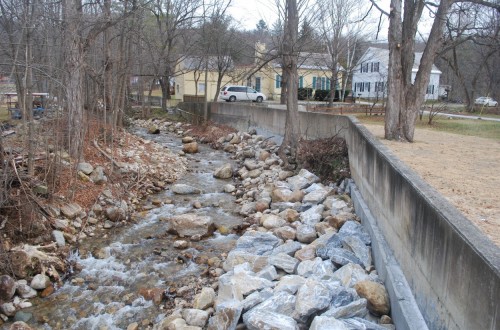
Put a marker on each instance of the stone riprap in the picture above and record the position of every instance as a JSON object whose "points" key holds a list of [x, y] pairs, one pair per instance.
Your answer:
{"points": [[305, 262]]}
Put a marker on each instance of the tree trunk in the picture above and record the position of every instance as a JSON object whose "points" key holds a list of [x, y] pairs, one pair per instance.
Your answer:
{"points": [[288, 148], [74, 77], [404, 97]]}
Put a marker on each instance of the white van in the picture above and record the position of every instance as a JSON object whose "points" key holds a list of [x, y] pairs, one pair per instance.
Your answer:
{"points": [[241, 93]]}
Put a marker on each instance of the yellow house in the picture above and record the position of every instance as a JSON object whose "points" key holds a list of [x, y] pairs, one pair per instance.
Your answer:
{"points": [[313, 71]]}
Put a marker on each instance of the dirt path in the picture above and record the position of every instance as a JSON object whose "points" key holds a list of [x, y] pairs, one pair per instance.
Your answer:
{"points": [[464, 169]]}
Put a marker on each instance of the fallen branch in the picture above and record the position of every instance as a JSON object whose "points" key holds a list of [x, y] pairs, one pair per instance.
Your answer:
{"points": [[106, 155]]}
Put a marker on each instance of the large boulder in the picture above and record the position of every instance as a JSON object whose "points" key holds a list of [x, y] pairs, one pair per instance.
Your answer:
{"points": [[314, 296], [224, 172], [191, 224], [184, 189], [286, 195], [285, 262], [376, 295], [257, 242], [205, 298], [302, 180], [190, 148], [262, 319], [71, 210], [226, 316]]}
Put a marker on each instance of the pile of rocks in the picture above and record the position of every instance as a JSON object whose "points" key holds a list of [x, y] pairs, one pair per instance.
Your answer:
{"points": [[304, 262]]}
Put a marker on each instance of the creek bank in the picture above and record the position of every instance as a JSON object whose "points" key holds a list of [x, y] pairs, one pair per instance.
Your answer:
{"points": [[139, 168]]}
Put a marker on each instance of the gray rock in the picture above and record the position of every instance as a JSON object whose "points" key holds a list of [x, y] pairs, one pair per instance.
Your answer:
{"points": [[195, 317], [354, 228], [271, 221], [246, 283], [262, 319], [184, 189], [281, 206], [86, 168], [360, 250], [229, 188], [269, 273], [237, 257], [326, 251], [290, 284], [306, 234], [313, 215], [355, 308], [343, 296], [327, 323], [115, 213], [284, 261], [251, 165], [341, 257], [191, 224], [224, 172], [302, 180], [350, 274], [360, 323], [248, 208], [98, 176], [59, 238], [289, 248], [312, 297], [7, 288], [25, 291], [71, 210], [280, 303], [190, 148], [316, 194], [317, 268], [40, 282], [335, 205], [256, 298], [61, 224], [255, 242], [8, 309], [226, 316]]}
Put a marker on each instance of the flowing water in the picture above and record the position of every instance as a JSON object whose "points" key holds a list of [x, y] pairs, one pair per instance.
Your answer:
{"points": [[105, 291]]}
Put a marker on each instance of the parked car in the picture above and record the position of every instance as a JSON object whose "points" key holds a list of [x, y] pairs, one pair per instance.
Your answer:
{"points": [[487, 101], [241, 93]]}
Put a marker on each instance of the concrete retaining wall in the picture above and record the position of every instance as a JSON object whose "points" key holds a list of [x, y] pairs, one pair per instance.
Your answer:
{"points": [[453, 270]]}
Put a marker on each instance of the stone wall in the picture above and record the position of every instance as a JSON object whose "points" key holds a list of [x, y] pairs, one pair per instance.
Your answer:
{"points": [[452, 269]]}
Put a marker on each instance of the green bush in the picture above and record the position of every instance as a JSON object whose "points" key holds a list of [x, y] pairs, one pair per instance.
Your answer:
{"points": [[324, 94], [305, 93]]}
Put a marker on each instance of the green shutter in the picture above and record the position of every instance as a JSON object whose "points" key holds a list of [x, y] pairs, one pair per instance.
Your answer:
{"points": [[301, 82], [328, 83], [278, 81], [314, 83]]}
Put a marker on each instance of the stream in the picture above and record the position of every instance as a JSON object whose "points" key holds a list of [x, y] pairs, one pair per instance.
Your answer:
{"points": [[104, 291]]}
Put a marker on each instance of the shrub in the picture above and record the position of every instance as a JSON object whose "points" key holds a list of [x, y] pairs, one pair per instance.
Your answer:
{"points": [[305, 93], [324, 94]]}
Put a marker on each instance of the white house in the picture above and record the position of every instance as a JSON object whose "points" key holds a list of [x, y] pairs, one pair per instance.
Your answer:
{"points": [[370, 76]]}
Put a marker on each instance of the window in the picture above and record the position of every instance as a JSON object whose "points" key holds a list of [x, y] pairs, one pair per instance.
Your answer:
{"points": [[249, 81], [430, 89], [201, 87], [367, 86], [375, 67], [364, 67], [257, 84], [359, 87], [278, 81], [379, 87]]}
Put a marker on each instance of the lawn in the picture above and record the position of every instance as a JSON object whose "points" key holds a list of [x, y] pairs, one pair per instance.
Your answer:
{"points": [[470, 127]]}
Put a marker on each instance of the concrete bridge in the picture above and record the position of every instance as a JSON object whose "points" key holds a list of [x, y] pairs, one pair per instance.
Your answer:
{"points": [[440, 270]]}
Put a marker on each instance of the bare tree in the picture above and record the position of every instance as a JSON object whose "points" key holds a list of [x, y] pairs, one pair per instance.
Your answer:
{"points": [[405, 96], [288, 148]]}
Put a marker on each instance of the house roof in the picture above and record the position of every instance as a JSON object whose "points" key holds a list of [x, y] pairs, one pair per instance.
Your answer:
{"points": [[311, 61], [382, 55], [190, 63]]}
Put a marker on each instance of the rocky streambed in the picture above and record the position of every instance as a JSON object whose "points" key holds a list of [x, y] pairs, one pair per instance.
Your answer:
{"points": [[237, 242]]}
